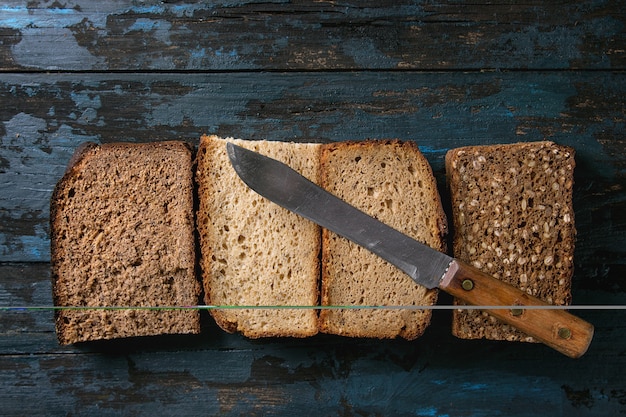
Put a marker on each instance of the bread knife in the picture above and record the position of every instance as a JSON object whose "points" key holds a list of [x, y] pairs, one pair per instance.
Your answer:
{"points": [[284, 186]]}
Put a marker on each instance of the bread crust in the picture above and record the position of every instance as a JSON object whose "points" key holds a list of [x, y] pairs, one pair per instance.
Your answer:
{"points": [[80, 153], [408, 324], [72, 325], [513, 218]]}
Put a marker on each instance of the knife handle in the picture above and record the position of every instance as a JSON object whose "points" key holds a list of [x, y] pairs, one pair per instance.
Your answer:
{"points": [[556, 328]]}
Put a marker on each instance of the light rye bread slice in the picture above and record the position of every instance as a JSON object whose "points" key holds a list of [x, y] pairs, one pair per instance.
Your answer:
{"points": [[253, 252], [513, 219], [393, 182], [122, 234]]}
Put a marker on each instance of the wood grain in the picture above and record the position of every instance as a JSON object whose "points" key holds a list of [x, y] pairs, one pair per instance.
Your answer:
{"points": [[300, 35], [46, 116], [442, 73], [558, 329], [229, 374]]}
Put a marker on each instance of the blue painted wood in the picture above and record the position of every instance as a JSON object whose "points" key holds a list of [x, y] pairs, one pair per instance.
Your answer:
{"points": [[441, 73], [47, 116], [246, 35], [217, 373]]}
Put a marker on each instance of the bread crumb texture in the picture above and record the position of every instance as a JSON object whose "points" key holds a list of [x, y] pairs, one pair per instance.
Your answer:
{"points": [[513, 219], [122, 235], [393, 182], [253, 252]]}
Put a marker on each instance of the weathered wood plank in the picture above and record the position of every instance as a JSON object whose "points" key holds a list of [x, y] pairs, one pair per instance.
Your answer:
{"points": [[268, 69], [244, 35], [362, 383], [25, 285], [217, 373], [44, 117]]}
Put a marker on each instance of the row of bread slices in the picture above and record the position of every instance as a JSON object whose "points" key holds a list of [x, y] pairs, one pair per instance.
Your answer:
{"points": [[126, 217]]}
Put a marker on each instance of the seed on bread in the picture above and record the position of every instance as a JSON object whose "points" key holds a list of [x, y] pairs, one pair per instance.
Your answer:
{"points": [[513, 218]]}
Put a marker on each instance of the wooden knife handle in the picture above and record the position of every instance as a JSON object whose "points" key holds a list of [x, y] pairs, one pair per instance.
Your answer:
{"points": [[558, 329]]}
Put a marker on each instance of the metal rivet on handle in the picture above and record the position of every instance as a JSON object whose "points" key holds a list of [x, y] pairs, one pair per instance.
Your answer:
{"points": [[565, 333], [517, 311], [467, 284]]}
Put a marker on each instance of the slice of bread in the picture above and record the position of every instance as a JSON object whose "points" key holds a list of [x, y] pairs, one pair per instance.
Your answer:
{"points": [[253, 252], [393, 182], [122, 234], [513, 219]]}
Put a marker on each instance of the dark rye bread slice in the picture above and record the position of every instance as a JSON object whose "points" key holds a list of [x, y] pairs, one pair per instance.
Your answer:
{"points": [[393, 182], [122, 234], [513, 219], [254, 252]]}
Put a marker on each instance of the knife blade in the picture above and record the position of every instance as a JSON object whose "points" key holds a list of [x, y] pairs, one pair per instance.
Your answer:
{"points": [[284, 186]]}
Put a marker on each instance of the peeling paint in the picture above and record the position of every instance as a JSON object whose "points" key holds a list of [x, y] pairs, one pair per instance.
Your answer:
{"points": [[39, 48], [160, 29], [36, 159], [428, 36], [366, 55], [317, 71], [23, 17]]}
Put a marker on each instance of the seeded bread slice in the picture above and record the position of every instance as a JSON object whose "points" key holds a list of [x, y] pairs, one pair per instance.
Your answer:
{"points": [[393, 182], [122, 235], [253, 252], [513, 219]]}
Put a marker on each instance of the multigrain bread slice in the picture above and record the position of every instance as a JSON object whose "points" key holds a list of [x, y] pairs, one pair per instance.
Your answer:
{"points": [[253, 252], [122, 234], [393, 182], [513, 219]]}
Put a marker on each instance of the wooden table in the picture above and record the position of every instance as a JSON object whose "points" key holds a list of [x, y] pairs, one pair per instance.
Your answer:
{"points": [[439, 73]]}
